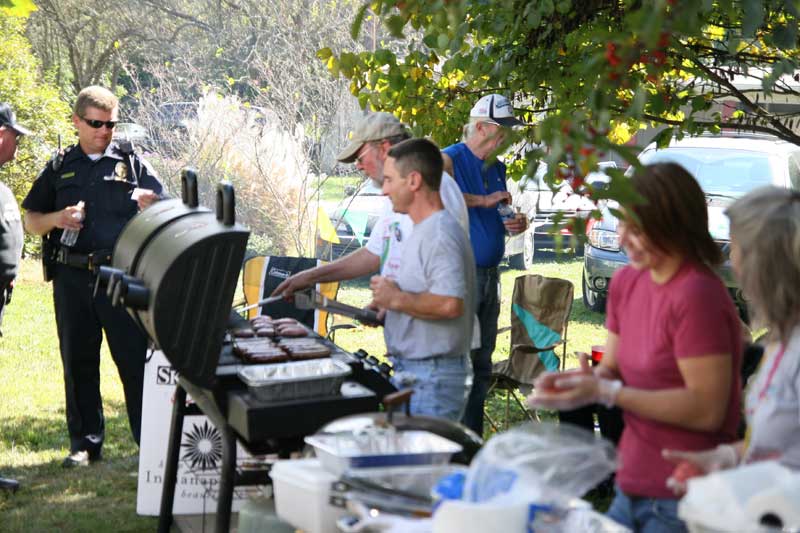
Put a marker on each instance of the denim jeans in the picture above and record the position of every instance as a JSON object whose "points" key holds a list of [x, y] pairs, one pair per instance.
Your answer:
{"points": [[646, 515], [440, 384], [487, 302]]}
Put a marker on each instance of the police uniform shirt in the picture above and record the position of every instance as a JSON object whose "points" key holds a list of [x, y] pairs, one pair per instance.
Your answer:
{"points": [[10, 236], [104, 185]]}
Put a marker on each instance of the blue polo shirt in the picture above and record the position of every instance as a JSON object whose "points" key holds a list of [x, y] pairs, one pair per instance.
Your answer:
{"points": [[486, 229]]}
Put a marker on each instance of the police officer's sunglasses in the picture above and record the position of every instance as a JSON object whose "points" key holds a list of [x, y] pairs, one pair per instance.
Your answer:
{"points": [[97, 124]]}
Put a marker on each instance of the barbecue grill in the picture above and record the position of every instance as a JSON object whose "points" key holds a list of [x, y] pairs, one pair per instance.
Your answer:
{"points": [[175, 269]]}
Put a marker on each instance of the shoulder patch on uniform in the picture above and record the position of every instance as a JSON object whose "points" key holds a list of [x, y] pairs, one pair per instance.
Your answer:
{"points": [[66, 175]]}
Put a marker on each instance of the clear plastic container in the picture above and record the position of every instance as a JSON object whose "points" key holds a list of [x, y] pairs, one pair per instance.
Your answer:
{"points": [[70, 236]]}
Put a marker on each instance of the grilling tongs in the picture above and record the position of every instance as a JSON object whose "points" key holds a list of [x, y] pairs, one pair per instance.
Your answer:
{"points": [[312, 299]]}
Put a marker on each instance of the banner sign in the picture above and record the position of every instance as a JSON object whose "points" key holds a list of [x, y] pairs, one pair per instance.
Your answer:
{"points": [[196, 490]]}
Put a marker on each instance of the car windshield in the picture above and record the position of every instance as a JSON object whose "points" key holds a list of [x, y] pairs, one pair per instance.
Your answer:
{"points": [[719, 171]]}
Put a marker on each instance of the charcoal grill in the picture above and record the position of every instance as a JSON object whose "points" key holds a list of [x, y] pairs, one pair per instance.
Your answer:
{"points": [[175, 269]]}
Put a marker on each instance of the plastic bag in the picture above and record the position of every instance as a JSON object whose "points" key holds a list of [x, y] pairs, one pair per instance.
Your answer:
{"points": [[539, 462]]}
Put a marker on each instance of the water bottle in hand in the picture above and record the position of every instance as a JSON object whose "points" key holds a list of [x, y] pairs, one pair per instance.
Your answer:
{"points": [[70, 236], [506, 211]]}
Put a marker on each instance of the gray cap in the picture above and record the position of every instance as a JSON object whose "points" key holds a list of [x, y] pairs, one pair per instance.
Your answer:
{"points": [[373, 127], [9, 120]]}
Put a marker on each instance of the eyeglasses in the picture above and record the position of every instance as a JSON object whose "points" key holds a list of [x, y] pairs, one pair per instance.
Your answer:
{"points": [[97, 124], [360, 159]]}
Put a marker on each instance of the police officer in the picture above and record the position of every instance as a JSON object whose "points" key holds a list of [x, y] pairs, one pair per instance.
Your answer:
{"points": [[10, 227], [96, 187]]}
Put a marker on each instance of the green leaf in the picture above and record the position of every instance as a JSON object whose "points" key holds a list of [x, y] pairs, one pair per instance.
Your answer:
{"points": [[324, 53], [699, 103], [355, 28], [663, 137], [396, 80], [752, 16], [785, 36], [384, 57], [395, 25]]}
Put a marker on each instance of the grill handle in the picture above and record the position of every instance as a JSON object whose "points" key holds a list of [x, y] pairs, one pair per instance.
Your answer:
{"points": [[226, 205], [393, 401], [189, 187]]}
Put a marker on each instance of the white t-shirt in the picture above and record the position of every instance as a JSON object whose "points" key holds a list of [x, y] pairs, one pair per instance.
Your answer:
{"points": [[392, 231]]}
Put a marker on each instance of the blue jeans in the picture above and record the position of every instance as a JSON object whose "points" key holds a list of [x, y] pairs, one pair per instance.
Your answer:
{"points": [[487, 302], [440, 384], [646, 515]]}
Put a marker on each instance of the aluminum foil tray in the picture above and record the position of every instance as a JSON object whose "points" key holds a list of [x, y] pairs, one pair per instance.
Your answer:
{"points": [[295, 380], [341, 452]]}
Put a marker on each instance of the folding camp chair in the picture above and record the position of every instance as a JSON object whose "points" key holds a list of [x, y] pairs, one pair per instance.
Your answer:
{"points": [[262, 274], [540, 309]]}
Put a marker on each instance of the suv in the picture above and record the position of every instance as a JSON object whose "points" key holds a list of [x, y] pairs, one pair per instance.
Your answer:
{"points": [[726, 167]]}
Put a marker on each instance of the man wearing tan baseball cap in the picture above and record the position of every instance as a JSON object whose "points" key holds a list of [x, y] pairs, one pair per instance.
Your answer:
{"points": [[370, 142], [377, 129]]}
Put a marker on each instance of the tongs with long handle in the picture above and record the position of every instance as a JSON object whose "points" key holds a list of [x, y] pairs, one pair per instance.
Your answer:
{"points": [[259, 303], [312, 299]]}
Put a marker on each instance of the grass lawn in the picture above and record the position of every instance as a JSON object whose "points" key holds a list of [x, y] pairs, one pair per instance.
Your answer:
{"points": [[33, 437], [332, 187]]}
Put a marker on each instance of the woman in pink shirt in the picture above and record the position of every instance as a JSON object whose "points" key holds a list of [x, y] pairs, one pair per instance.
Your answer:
{"points": [[673, 352]]}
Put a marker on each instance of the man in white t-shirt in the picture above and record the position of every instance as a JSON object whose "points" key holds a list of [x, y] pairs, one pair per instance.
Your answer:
{"points": [[370, 143]]}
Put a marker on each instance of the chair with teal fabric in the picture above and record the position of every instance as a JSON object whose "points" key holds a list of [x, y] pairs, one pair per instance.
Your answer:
{"points": [[540, 309]]}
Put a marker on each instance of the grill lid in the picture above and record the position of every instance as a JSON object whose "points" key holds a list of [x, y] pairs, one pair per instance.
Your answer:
{"points": [[175, 269]]}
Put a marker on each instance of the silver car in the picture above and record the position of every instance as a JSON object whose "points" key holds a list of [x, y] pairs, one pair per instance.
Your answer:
{"points": [[726, 167], [544, 205]]}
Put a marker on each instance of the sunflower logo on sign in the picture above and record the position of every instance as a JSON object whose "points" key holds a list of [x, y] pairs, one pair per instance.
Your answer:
{"points": [[203, 447]]}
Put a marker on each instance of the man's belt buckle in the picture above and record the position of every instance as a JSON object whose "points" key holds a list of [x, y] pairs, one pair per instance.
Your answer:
{"points": [[97, 259], [94, 261]]}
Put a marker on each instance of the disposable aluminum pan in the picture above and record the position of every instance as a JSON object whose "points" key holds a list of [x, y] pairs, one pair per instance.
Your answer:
{"points": [[291, 381], [341, 452]]}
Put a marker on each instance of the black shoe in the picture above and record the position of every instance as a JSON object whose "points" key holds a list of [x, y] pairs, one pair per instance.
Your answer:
{"points": [[10, 485], [81, 458]]}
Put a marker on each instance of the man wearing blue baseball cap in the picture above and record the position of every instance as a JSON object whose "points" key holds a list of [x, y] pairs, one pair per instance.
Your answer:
{"points": [[10, 226]]}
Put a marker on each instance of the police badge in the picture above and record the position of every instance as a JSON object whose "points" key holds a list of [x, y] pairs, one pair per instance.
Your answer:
{"points": [[120, 172]]}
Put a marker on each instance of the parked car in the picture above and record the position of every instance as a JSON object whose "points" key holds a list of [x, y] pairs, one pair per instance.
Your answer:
{"points": [[726, 167], [353, 220], [534, 197], [133, 132], [356, 215]]}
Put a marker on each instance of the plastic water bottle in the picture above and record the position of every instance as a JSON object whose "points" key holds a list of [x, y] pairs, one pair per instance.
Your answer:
{"points": [[506, 211], [70, 236]]}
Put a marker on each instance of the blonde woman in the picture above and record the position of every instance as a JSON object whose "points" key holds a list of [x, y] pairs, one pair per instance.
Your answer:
{"points": [[765, 255]]}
